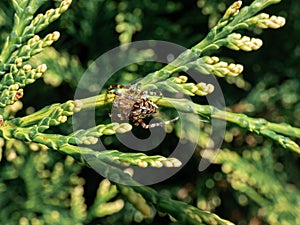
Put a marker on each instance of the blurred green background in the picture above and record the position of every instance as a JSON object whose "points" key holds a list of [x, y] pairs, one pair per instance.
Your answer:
{"points": [[34, 182]]}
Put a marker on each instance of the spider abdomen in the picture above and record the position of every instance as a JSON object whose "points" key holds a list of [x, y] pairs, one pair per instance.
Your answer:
{"points": [[142, 108], [130, 104]]}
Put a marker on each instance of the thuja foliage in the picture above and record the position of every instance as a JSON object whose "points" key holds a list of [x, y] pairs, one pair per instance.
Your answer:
{"points": [[42, 177]]}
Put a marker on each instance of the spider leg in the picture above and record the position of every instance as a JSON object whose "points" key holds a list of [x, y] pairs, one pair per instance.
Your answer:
{"points": [[125, 96], [130, 104], [162, 123], [142, 124], [130, 92], [152, 93], [120, 86], [147, 126], [138, 89]]}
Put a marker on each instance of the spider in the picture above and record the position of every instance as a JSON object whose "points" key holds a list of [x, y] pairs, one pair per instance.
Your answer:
{"points": [[133, 105]]}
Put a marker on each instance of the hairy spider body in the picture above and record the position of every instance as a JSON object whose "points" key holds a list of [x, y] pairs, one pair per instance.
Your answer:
{"points": [[141, 109], [132, 105]]}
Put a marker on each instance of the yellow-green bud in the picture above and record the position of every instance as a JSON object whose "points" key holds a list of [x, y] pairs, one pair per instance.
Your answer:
{"points": [[64, 5], [176, 162], [19, 94], [207, 88], [62, 119], [210, 60], [14, 87], [156, 164], [77, 105], [108, 131], [55, 36], [50, 12], [142, 164], [89, 140], [167, 163], [233, 10], [264, 21], [123, 128], [236, 68], [92, 140], [237, 41], [27, 67], [18, 62], [183, 79], [36, 19], [42, 68], [32, 41], [190, 87], [276, 22]]}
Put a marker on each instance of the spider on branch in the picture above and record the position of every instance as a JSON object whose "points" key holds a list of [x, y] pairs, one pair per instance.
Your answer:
{"points": [[131, 104]]}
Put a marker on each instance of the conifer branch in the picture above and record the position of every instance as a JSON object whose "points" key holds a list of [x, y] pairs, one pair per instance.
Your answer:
{"points": [[257, 125], [24, 42], [277, 132], [25, 26], [181, 211], [67, 144], [101, 207], [259, 182], [222, 35]]}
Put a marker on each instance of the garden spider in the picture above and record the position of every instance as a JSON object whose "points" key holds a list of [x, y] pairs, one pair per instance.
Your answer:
{"points": [[132, 105]]}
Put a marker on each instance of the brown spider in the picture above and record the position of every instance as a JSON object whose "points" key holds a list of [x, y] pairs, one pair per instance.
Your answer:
{"points": [[132, 105]]}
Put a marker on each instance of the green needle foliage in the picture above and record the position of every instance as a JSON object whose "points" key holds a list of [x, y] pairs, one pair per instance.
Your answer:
{"points": [[276, 210], [42, 186]]}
